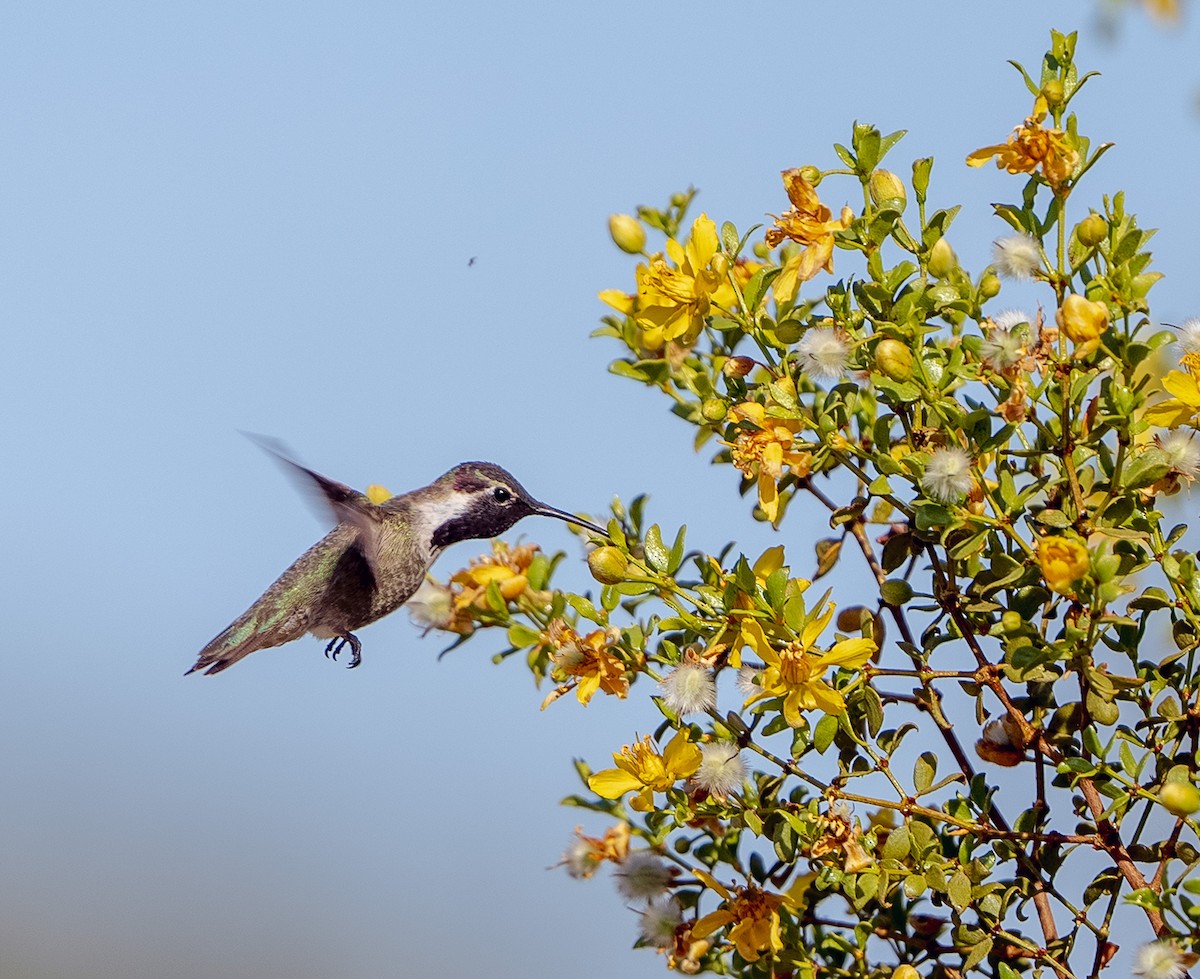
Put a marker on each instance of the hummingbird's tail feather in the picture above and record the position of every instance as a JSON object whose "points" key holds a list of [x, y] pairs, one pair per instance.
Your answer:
{"points": [[253, 630]]}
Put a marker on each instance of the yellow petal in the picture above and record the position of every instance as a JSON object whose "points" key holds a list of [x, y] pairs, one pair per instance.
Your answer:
{"points": [[710, 923], [849, 652], [750, 411], [612, 783], [643, 801], [768, 496], [588, 685], [1168, 414], [709, 881], [703, 244], [622, 302], [680, 756], [1183, 386], [981, 156], [770, 561]]}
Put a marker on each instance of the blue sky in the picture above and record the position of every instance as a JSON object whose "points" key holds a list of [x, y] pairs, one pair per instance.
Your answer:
{"points": [[259, 216]]}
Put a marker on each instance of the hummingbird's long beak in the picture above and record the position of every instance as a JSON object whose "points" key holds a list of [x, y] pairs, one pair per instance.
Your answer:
{"points": [[543, 510]]}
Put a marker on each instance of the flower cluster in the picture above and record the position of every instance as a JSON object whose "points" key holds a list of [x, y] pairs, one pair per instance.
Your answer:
{"points": [[982, 486]]}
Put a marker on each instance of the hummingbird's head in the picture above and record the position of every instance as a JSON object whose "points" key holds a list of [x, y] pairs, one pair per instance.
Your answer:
{"points": [[479, 499]]}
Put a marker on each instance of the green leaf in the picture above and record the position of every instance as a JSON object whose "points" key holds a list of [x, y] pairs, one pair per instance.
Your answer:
{"points": [[823, 735], [979, 952], [757, 287], [520, 636], [729, 237], [959, 891], [676, 558], [924, 772], [657, 554], [898, 844], [895, 592]]}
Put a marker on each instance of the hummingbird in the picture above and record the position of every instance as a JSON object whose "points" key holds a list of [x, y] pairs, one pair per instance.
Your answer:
{"points": [[375, 557]]}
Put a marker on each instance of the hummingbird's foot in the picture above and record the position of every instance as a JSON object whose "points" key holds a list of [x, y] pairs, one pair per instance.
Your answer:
{"points": [[339, 642]]}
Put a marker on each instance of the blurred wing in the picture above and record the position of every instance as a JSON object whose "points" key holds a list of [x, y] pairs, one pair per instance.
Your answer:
{"points": [[347, 505]]}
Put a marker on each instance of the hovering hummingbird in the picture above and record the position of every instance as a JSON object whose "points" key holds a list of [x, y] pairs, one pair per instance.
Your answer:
{"points": [[376, 557]]}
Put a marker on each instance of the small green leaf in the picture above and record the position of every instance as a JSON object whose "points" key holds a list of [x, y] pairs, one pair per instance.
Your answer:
{"points": [[924, 772], [895, 591], [959, 891], [657, 554], [520, 636], [823, 735]]}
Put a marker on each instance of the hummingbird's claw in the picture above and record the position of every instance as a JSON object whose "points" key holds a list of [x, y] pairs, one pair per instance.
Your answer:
{"points": [[336, 645]]}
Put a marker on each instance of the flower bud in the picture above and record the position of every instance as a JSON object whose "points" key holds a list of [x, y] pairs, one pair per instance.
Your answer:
{"points": [[1091, 230], [1052, 92], [1083, 321], [942, 260], [1011, 622], [893, 359], [738, 366], [1180, 798], [627, 233], [811, 175], [989, 285], [714, 410], [1064, 562], [679, 200], [762, 250], [887, 190], [608, 565], [905, 972]]}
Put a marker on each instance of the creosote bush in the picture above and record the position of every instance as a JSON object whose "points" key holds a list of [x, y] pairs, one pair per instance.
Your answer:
{"points": [[821, 795]]}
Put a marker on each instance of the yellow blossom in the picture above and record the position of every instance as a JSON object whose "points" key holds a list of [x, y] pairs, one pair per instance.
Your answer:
{"points": [[796, 672], [1083, 321], [1184, 404], [673, 300], [588, 659], [1031, 147], [762, 454], [1167, 10], [811, 224], [641, 769], [753, 914], [1064, 562], [586, 853], [506, 567], [378, 494]]}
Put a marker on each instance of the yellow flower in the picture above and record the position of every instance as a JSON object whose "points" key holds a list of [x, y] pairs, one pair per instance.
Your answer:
{"points": [[762, 454], [378, 494], [586, 853], [674, 300], [810, 223], [1064, 562], [1184, 405], [505, 566], [1031, 147], [753, 913], [642, 769], [796, 672], [1083, 321], [588, 659], [1163, 9]]}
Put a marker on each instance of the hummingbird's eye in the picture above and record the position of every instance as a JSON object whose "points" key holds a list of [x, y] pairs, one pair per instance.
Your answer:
{"points": [[501, 495]]}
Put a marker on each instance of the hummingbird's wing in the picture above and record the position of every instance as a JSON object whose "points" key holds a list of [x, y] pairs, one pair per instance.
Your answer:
{"points": [[347, 504]]}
